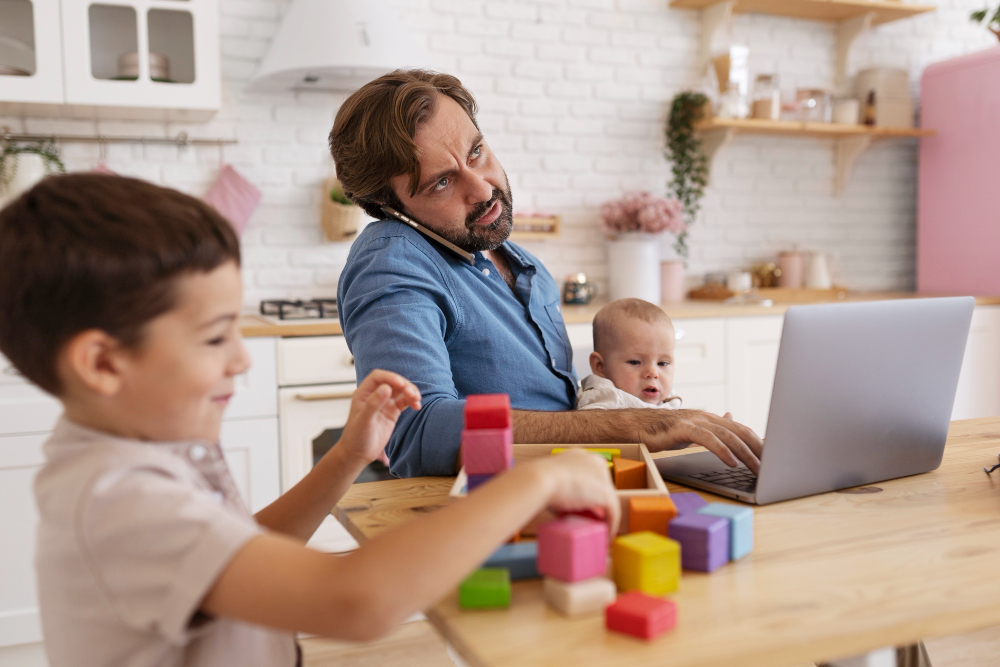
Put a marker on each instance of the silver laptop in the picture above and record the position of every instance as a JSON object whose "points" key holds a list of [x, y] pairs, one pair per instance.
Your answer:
{"points": [[863, 392]]}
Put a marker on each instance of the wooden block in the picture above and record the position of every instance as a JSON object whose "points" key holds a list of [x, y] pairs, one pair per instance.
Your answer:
{"points": [[646, 562], [740, 526], [630, 474], [641, 615], [582, 598], [487, 451], [476, 480], [520, 559], [573, 548], [704, 541], [609, 453], [652, 514], [487, 411], [486, 588], [687, 503]]}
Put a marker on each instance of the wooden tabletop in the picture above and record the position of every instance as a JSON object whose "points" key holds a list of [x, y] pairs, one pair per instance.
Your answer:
{"points": [[830, 576]]}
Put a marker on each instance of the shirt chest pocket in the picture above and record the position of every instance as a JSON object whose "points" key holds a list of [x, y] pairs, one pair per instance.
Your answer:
{"points": [[556, 340]]}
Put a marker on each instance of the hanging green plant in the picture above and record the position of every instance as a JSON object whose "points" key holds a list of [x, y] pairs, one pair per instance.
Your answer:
{"points": [[337, 195], [991, 18], [688, 163], [45, 149]]}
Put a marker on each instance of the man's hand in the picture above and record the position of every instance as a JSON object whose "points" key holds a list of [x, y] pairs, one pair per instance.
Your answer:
{"points": [[731, 441]]}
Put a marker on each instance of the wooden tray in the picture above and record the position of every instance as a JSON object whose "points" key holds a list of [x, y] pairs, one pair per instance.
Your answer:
{"points": [[803, 295], [635, 452]]}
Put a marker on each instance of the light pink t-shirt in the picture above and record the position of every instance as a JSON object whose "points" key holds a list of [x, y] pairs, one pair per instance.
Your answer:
{"points": [[132, 536]]}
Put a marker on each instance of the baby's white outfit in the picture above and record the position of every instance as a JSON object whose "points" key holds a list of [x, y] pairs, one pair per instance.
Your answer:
{"points": [[602, 394]]}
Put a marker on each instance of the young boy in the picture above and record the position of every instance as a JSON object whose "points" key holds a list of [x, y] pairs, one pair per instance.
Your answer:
{"points": [[122, 299], [633, 358]]}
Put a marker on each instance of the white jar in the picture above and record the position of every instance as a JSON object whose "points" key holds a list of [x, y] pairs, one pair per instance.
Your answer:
{"points": [[634, 267]]}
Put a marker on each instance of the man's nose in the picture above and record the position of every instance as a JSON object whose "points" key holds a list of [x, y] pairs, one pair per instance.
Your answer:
{"points": [[478, 189]]}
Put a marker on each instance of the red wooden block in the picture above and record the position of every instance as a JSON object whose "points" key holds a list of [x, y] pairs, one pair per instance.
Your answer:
{"points": [[487, 411], [640, 615]]}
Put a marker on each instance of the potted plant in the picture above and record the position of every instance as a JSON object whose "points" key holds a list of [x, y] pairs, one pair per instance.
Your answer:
{"points": [[689, 167], [992, 23], [23, 165], [340, 216], [637, 220]]}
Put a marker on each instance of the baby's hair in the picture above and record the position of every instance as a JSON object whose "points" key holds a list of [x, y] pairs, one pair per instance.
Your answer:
{"points": [[611, 315], [93, 251]]}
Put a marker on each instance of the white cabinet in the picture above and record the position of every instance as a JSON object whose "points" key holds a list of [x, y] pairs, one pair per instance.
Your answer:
{"points": [[752, 359], [978, 392], [31, 41], [700, 364], [251, 450]]}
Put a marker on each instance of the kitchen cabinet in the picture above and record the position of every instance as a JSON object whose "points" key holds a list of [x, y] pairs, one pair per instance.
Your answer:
{"points": [[752, 359], [79, 71], [978, 392]]}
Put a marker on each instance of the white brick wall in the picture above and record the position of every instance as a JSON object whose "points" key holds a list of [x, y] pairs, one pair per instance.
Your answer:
{"points": [[573, 96]]}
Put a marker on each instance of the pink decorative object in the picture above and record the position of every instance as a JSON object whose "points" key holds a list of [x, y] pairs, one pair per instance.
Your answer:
{"points": [[643, 212], [792, 265], [234, 197], [672, 281], [487, 451], [573, 549]]}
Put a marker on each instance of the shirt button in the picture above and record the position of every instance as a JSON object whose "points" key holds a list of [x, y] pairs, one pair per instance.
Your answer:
{"points": [[197, 452], [553, 360], [486, 272]]}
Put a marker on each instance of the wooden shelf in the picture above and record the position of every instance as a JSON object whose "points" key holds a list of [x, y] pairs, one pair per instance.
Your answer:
{"points": [[818, 10], [535, 228], [851, 140]]}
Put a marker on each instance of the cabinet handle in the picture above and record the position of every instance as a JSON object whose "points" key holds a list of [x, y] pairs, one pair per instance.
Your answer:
{"points": [[324, 397], [349, 359], [678, 333]]}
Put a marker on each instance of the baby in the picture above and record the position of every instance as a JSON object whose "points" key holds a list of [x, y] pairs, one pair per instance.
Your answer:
{"points": [[633, 358]]}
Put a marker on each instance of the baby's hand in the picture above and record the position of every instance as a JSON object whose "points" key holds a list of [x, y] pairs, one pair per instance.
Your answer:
{"points": [[580, 482], [377, 403]]}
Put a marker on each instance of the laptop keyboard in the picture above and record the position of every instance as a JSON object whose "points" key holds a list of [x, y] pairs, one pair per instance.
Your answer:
{"points": [[740, 479]]}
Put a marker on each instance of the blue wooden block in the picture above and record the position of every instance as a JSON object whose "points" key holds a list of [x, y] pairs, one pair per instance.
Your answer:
{"points": [[476, 480], [740, 526], [519, 558]]}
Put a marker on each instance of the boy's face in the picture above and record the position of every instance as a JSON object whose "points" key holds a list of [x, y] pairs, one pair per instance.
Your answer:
{"points": [[640, 359], [177, 382]]}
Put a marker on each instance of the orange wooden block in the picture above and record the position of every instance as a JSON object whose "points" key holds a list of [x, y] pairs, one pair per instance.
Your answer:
{"points": [[650, 514], [629, 474]]}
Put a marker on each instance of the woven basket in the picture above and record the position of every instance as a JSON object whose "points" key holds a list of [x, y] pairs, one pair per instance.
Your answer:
{"points": [[340, 221]]}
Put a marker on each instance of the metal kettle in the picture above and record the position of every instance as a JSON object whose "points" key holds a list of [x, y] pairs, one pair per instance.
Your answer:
{"points": [[578, 290]]}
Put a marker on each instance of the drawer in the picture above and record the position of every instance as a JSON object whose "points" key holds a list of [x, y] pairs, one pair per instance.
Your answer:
{"points": [[314, 360], [24, 408], [700, 354], [257, 389]]}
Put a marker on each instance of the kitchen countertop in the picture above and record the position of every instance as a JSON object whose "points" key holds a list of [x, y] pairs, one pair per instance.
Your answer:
{"points": [[253, 326]]}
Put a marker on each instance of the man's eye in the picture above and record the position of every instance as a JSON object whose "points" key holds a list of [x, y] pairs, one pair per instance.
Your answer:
{"points": [[441, 185], [477, 151]]}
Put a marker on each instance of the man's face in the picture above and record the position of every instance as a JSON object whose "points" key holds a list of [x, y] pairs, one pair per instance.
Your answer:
{"points": [[463, 193]]}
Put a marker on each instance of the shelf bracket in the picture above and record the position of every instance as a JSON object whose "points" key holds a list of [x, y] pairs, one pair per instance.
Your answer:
{"points": [[849, 149], [713, 18], [848, 31], [712, 142]]}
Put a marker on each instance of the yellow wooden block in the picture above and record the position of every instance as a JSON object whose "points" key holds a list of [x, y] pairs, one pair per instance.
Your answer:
{"points": [[607, 452], [646, 562]]}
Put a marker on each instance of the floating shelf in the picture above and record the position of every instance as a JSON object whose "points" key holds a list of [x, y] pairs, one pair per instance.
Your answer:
{"points": [[852, 140], [535, 228]]}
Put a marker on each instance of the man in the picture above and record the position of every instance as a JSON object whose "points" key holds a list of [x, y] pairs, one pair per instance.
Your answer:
{"points": [[407, 144]]}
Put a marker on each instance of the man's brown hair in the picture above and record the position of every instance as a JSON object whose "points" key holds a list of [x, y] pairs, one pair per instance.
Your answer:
{"points": [[615, 313], [372, 137], [92, 251]]}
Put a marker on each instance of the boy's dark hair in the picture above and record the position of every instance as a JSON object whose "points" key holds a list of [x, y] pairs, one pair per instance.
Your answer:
{"points": [[93, 251]]}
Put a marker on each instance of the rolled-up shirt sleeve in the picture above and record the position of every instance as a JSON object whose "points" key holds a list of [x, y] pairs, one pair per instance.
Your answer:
{"points": [[399, 317]]}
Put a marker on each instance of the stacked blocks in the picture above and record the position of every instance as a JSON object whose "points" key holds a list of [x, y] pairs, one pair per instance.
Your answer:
{"points": [[687, 503], [740, 526], [641, 615], [585, 597], [518, 558], [573, 548], [704, 541], [629, 474], [487, 441], [647, 562], [486, 588], [652, 514]]}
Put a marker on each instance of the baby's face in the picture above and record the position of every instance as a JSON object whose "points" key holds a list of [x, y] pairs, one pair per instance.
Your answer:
{"points": [[640, 360]]}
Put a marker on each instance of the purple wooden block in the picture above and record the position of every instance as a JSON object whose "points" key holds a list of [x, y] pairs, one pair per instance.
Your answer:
{"points": [[704, 541], [687, 503], [476, 480]]}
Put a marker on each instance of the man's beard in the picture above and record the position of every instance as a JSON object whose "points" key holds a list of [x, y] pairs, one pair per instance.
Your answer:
{"points": [[475, 237]]}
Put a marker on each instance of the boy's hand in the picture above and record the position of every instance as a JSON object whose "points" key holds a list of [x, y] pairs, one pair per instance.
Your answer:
{"points": [[580, 481], [378, 401]]}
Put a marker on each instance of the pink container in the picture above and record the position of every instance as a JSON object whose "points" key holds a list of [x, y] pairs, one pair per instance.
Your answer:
{"points": [[573, 548], [672, 281], [487, 451], [792, 265]]}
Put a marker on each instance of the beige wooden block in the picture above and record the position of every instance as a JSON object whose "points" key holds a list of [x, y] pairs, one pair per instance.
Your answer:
{"points": [[589, 596]]}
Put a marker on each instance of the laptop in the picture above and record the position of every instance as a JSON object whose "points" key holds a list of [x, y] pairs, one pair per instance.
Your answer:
{"points": [[863, 392]]}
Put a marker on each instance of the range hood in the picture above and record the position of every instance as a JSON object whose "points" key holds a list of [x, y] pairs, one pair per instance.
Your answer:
{"points": [[336, 45]]}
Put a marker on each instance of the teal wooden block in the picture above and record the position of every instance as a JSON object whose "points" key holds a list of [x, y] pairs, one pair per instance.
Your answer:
{"points": [[486, 588], [740, 526]]}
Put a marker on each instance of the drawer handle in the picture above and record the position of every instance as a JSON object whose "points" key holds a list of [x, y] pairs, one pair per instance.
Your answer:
{"points": [[678, 333], [324, 397], [10, 370], [349, 360]]}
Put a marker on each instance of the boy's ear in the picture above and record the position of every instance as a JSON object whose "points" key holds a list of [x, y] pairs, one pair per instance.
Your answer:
{"points": [[597, 364], [94, 359]]}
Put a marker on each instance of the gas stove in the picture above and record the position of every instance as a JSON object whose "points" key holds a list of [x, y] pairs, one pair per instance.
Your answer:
{"points": [[283, 311]]}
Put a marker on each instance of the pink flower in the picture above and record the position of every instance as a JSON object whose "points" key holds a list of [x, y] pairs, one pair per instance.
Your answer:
{"points": [[643, 212]]}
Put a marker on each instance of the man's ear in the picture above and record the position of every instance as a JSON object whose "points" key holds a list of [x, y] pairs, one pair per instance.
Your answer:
{"points": [[597, 364], [95, 360]]}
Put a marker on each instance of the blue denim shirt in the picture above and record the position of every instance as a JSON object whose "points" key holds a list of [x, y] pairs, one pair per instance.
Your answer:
{"points": [[410, 305]]}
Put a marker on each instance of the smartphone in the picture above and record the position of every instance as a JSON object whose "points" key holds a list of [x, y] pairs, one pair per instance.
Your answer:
{"points": [[396, 215]]}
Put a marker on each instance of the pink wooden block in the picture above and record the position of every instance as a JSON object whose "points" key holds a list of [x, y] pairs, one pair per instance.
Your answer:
{"points": [[573, 548], [487, 451]]}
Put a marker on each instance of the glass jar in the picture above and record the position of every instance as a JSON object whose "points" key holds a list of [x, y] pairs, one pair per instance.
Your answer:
{"points": [[766, 97], [814, 105]]}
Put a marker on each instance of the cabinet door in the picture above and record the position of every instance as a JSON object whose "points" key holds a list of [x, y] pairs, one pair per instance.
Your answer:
{"points": [[978, 392], [581, 341], [252, 454], [20, 459], [752, 356], [31, 40], [257, 389], [153, 54]]}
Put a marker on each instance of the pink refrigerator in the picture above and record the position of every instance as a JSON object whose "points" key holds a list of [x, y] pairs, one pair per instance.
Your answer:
{"points": [[958, 219]]}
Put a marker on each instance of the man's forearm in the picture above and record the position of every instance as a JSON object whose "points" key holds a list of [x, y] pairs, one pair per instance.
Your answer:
{"points": [[585, 426]]}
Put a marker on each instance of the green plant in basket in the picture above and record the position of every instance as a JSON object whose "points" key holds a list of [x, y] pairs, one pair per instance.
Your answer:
{"points": [[688, 163], [337, 195]]}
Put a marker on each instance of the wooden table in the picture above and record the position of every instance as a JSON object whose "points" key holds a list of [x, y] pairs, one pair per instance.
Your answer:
{"points": [[833, 575]]}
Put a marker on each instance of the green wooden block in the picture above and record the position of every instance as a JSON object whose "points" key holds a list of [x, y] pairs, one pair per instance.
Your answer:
{"points": [[485, 588]]}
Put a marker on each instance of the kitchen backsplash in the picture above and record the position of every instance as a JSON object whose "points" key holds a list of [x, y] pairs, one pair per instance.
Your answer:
{"points": [[573, 95]]}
